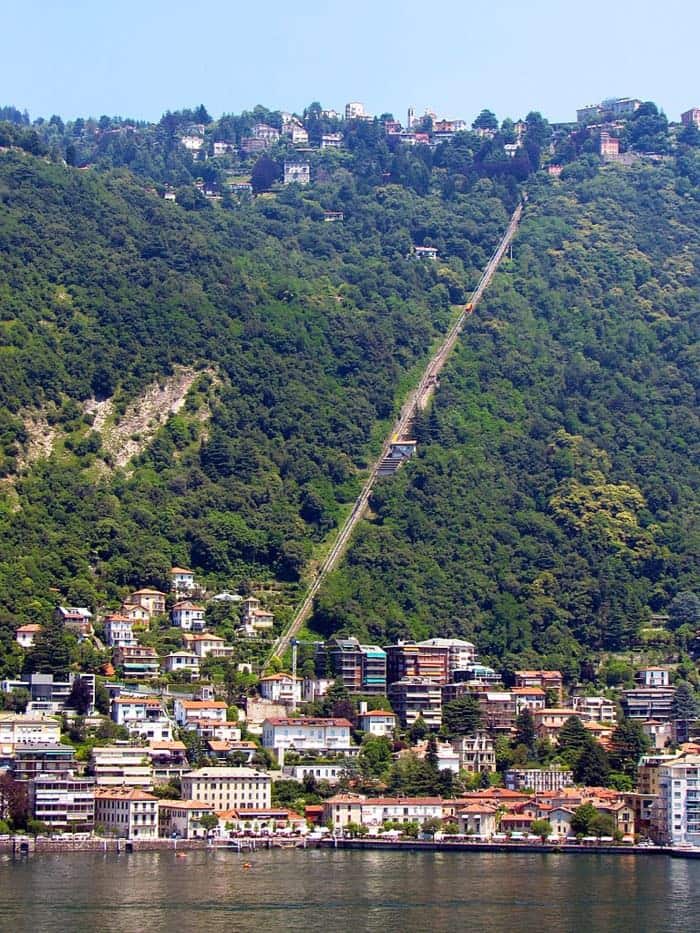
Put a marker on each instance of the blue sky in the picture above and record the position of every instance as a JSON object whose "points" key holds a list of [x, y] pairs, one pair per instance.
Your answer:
{"points": [[138, 59]]}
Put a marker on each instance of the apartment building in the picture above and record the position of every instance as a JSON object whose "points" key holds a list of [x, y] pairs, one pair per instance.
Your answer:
{"points": [[20, 728], [63, 801], [424, 660], [678, 817], [412, 697], [476, 752], [362, 669], [228, 788], [121, 763], [308, 733]]}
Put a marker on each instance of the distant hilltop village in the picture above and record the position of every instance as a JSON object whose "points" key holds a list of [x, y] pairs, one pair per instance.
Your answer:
{"points": [[239, 156]]}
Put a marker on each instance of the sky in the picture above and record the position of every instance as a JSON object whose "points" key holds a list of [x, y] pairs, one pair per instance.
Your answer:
{"points": [[454, 57]]}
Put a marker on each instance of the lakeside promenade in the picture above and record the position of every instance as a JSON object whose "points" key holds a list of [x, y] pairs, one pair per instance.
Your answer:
{"points": [[21, 847]]}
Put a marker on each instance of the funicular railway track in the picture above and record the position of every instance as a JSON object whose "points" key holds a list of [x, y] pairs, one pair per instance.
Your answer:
{"points": [[417, 400]]}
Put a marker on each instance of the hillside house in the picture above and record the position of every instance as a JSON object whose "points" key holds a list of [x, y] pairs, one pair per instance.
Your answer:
{"points": [[119, 630], [206, 645], [185, 662], [188, 712], [298, 173], [137, 661], [188, 616], [76, 619], [25, 636], [153, 601], [181, 581], [281, 688]]}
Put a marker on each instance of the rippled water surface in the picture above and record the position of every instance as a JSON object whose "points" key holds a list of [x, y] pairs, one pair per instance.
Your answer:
{"points": [[336, 891]]}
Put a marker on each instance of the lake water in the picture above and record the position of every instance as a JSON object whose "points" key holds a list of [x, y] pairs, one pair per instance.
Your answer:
{"points": [[339, 890]]}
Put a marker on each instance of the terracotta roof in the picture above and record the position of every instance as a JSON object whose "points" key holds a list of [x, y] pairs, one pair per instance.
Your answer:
{"points": [[478, 808], [203, 704], [30, 627], [147, 592], [309, 721], [123, 793], [181, 570], [187, 604], [378, 712], [533, 691], [167, 746], [280, 676], [186, 805]]}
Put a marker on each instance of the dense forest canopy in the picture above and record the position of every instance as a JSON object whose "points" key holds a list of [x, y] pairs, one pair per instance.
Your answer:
{"points": [[552, 507]]}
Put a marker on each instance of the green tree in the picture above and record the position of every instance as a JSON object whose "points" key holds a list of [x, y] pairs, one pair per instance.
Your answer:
{"points": [[486, 120], [375, 755], [592, 767], [525, 730], [208, 821], [461, 716], [80, 697], [418, 730], [582, 818], [431, 825], [602, 824], [51, 651], [684, 710], [541, 828], [573, 738], [627, 744]]}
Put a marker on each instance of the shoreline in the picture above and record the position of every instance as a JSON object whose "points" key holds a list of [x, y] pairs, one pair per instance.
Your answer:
{"points": [[20, 848]]}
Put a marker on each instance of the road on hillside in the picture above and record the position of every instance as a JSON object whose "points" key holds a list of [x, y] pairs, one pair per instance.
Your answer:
{"points": [[416, 401]]}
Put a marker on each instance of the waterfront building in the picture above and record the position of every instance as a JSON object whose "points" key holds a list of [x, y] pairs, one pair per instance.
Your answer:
{"points": [[412, 697], [181, 818], [373, 812], [478, 819], [64, 802], [228, 788], [677, 820], [267, 820], [128, 812]]}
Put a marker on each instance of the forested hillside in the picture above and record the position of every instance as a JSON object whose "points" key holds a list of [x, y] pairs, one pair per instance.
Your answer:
{"points": [[302, 332], [554, 503]]}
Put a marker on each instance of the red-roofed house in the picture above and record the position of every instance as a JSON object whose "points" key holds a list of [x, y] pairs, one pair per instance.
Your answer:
{"points": [[188, 711], [377, 722], [127, 811], [26, 634]]}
